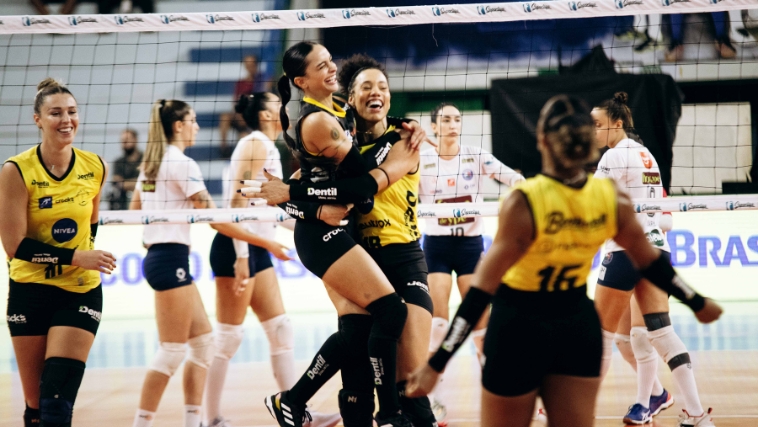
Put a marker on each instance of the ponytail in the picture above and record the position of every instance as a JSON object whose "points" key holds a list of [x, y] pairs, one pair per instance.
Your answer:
{"points": [[160, 132], [617, 109], [285, 93]]}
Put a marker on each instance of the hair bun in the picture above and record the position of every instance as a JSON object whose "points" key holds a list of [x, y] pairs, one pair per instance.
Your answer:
{"points": [[48, 83], [621, 97], [242, 104]]}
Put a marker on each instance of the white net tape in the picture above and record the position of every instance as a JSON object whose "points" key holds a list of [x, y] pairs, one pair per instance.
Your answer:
{"points": [[442, 210], [324, 18]]}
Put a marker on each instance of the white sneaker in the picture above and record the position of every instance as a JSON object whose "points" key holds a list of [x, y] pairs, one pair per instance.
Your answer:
{"points": [[317, 419], [220, 422], [704, 420], [540, 415]]}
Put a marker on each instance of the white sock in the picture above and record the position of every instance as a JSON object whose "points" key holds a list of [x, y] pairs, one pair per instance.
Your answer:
{"points": [[284, 369], [214, 386], [143, 418], [647, 364], [657, 387], [191, 415], [605, 363], [281, 340], [669, 345]]}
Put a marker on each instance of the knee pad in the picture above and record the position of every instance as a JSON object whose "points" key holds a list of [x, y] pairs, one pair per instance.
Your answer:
{"points": [[59, 385], [418, 410], [280, 334], [418, 296], [201, 350], [168, 357], [389, 314], [642, 349], [655, 321], [228, 340], [624, 344], [31, 417], [439, 330], [356, 408], [670, 347]]}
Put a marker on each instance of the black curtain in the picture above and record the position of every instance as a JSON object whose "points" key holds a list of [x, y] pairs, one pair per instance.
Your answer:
{"points": [[515, 104]]}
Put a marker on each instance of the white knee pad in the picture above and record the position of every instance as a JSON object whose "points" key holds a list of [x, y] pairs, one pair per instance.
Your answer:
{"points": [[624, 344], [201, 350], [643, 349], [280, 334], [439, 330], [667, 342], [228, 340], [168, 357]]}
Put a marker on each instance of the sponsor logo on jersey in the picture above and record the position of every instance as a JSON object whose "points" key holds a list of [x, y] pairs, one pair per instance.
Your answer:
{"points": [[418, 284], [439, 11], [379, 223], [608, 258], [212, 19], [64, 200], [655, 238], [16, 318], [258, 17], [168, 19], [684, 207], [123, 19], [576, 5], [394, 13], [646, 160], [181, 274], [556, 222], [531, 7], [318, 368], [467, 160], [378, 370], [468, 174], [148, 186], [76, 20], [651, 178], [483, 10], [64, 230], [429, 166], [324, 192], [46, 202], [347, 14], [640, 208], [302, 15], [93, 313], [28, 21], [730, 206], [87, 176], [40, 184], [451, 182]]}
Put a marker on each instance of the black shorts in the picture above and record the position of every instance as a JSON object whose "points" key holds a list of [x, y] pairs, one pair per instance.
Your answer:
{"points": [[617, 271], [223, 257], [34, 308], [166, 266], [319, 245], [445, 254], [534, 334], [405, 267]]}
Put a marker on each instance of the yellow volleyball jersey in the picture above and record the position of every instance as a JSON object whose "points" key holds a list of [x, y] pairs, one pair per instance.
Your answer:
{"points": [[59, 213], [393, 217], [570, 226]]}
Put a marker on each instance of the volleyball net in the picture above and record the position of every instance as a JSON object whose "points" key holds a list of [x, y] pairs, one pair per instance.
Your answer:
{"points": [[688, 66]]}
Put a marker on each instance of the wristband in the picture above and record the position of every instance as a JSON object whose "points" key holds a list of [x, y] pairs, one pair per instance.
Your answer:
{"points": [[385, 175], [662, 274], [34, 251], [241, 248], [93, 230], [469, 312], [301, 210]]}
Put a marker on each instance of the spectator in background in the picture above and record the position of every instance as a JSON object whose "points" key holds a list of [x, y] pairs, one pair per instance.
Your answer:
{"points": [[124, 6], [67, 8], [125, 171], [723, 43], [254, 82]]}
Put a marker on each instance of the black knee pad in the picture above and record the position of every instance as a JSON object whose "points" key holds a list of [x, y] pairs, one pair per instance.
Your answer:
{"points": [[31, 417], [417, 296], [418, 410], [357, 373], [655, 321], [389, 313], [59, 386], [356, 408], [679, 360]]}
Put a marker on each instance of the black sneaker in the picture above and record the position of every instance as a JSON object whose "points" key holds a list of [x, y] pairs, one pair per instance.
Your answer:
{"points": [[397, 420], [285, 413]]}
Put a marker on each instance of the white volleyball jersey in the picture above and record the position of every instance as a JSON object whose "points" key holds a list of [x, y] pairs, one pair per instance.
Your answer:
{"points": [[460, 180], [636, 172], [178, 178], [273, 165]]}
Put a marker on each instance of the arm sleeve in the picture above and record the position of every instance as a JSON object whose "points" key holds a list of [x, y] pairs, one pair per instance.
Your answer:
{"points": [[496, 169], [351, 190]]}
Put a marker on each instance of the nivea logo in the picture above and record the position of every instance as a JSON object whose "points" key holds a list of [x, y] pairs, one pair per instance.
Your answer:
{"points": [[64, 230]]}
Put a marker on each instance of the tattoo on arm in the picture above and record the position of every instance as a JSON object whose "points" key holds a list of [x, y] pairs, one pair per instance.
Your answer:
{"points": [[202, 200], [246, 175], [335, 134]]}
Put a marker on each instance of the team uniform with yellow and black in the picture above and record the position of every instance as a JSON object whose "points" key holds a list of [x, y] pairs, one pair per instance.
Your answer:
{"points": [[44, 293], [388, 228], [542, 321]]}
